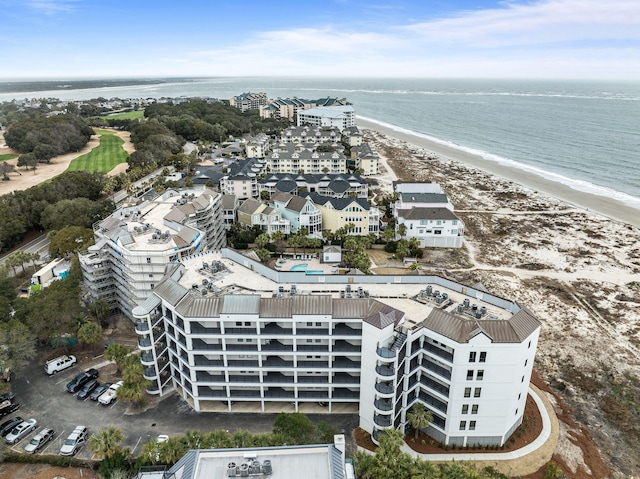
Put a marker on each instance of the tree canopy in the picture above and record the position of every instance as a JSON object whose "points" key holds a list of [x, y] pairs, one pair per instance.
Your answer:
{"points": [[47, 137]]}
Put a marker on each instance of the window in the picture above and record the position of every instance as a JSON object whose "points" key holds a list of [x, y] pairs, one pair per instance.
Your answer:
{"points": [[238, 323], [153, 285], [472, 425], [437, 232], [151, 276], [480, 375], [472, 357], [463, 425], [474, 409], [525, 361], [469, 374], [148, 260], [519, 396], [467, 392], [522, 380], [483, 357], [516, 412], [476, 392], [465, 409]]}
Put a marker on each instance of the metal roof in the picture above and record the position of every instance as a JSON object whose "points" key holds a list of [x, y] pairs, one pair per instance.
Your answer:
{"points": [[170, 291], [193, 306], [311, 304], [427, 214], [241, 304]]}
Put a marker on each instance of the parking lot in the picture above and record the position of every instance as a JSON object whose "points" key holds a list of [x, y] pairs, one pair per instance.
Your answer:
{"points": [[45, 398]]}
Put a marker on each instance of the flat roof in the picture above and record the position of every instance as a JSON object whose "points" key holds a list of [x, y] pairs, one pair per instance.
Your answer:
{"points": [[235, 278], [310, 462]]}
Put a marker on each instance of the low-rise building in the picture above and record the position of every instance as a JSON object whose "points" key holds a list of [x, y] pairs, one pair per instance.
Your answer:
{"points": [[427, 215], [289, 107], [243, 337], [327, 461], [334, 186], [293, 159], [230, 205], [134, 245], [241, 178], [301, 212], [356, 214], [255, 213]]}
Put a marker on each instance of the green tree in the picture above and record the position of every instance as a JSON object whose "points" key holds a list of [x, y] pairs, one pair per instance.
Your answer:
{"points": [[262, 240], [75, 212], [106, 442], [99, 309], [134, 386], [419, 417], [17, 346], [89, 332], [422, 469], [117, 352], [171, 450], [70, 240], [296, 426], [265, 195], [5, 169], [263, 254], [402, 229]]}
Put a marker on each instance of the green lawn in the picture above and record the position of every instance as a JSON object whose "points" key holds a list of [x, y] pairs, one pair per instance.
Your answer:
{"points": [[104, 157], [128, 115], [8, 156]]}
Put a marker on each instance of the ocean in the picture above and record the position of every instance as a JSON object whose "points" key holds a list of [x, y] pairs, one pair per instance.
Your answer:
{"points": [[583, 134]]}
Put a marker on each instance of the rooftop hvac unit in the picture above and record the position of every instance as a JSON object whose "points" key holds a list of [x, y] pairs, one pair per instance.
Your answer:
{"points": [[204, 292], [429, 290], [460, 308], [466, 302], [483, 310], [445, 296], [232, 469], [244, 469], [266, 467]]}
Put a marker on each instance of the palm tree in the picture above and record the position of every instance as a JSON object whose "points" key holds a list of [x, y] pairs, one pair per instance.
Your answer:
{"points": [[170, 451], [106, 442], [424, 470], [419, 417]]}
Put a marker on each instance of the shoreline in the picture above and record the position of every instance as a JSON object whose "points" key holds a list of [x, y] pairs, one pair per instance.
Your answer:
{"points": [[591, 203]]}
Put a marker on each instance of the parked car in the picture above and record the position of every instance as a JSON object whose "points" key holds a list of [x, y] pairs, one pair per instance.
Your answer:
{"points": [[81, 379], [39, 440], [87, 388], [58, 364], [74, 441], [99, 391], [110, 394], [21, 430], [8, 425], [10, 396], [7, 408]]}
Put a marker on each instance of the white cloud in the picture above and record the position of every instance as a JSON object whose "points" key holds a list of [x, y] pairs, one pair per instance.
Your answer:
{"points": [[51, 7]]}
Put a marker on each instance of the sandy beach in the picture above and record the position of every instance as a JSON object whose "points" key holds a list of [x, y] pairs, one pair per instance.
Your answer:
{"points": [[605, 206], [572, 258]]}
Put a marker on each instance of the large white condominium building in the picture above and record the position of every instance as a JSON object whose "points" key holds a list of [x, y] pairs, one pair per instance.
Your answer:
{"points": [[230, 334], [134, 245]]}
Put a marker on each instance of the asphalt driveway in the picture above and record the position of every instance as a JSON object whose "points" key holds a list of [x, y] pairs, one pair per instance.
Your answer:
{"points": [[45, 398]]}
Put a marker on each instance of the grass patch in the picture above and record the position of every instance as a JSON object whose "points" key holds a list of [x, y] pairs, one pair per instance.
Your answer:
{"points": [[8, 156], [104, 157], [127, 115]]}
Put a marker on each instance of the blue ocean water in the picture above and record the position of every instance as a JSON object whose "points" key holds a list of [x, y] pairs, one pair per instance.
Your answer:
{"points": [[585, 134]]}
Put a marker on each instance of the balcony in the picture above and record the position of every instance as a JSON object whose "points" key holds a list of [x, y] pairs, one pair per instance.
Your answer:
{"points": [[385, 371], [344, 378], [205, 377], [313, 347], [272, 377], [383, 405], [345, 363], [274, 345], [278, 393], [200, 361], [199, 329], [147, 359], [312, 332], [385, 388], [241, 331], [345, 346], [276, 361], [243, 363], [382, 421], [144, 344], [342, 330], [441, 353], [242, 347], [150, 373], [142, 328], [316, 395], [313, 364], [274, 329], [386, 354], [344, 393], [200, 345], [243, 378], [153, 389]]}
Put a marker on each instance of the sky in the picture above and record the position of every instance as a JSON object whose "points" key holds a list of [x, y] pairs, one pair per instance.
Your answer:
{"points": [[563, 39]]}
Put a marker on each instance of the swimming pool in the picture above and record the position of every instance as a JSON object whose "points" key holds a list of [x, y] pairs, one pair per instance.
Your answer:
{"points": [[303, 267]]}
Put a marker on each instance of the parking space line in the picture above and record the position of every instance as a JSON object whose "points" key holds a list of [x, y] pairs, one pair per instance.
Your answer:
{"points": [[135, 447]]}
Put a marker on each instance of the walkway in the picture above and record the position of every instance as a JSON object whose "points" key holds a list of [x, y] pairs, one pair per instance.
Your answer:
{"points": [[521, 462]]}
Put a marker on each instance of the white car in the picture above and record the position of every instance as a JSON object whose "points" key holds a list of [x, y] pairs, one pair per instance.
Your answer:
{"points": [[75, 440], [21, 430], [110, 394]]}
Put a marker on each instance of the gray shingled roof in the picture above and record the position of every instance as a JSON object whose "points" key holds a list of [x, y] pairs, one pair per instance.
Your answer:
{"points": [[424, 197], [427, 214]]}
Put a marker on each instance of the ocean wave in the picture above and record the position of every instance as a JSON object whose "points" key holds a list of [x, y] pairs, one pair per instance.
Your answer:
{"points": [[576, 184]]}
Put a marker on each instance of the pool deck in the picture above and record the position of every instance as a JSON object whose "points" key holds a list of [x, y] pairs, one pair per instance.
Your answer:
{"points": [[313, 264]]}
